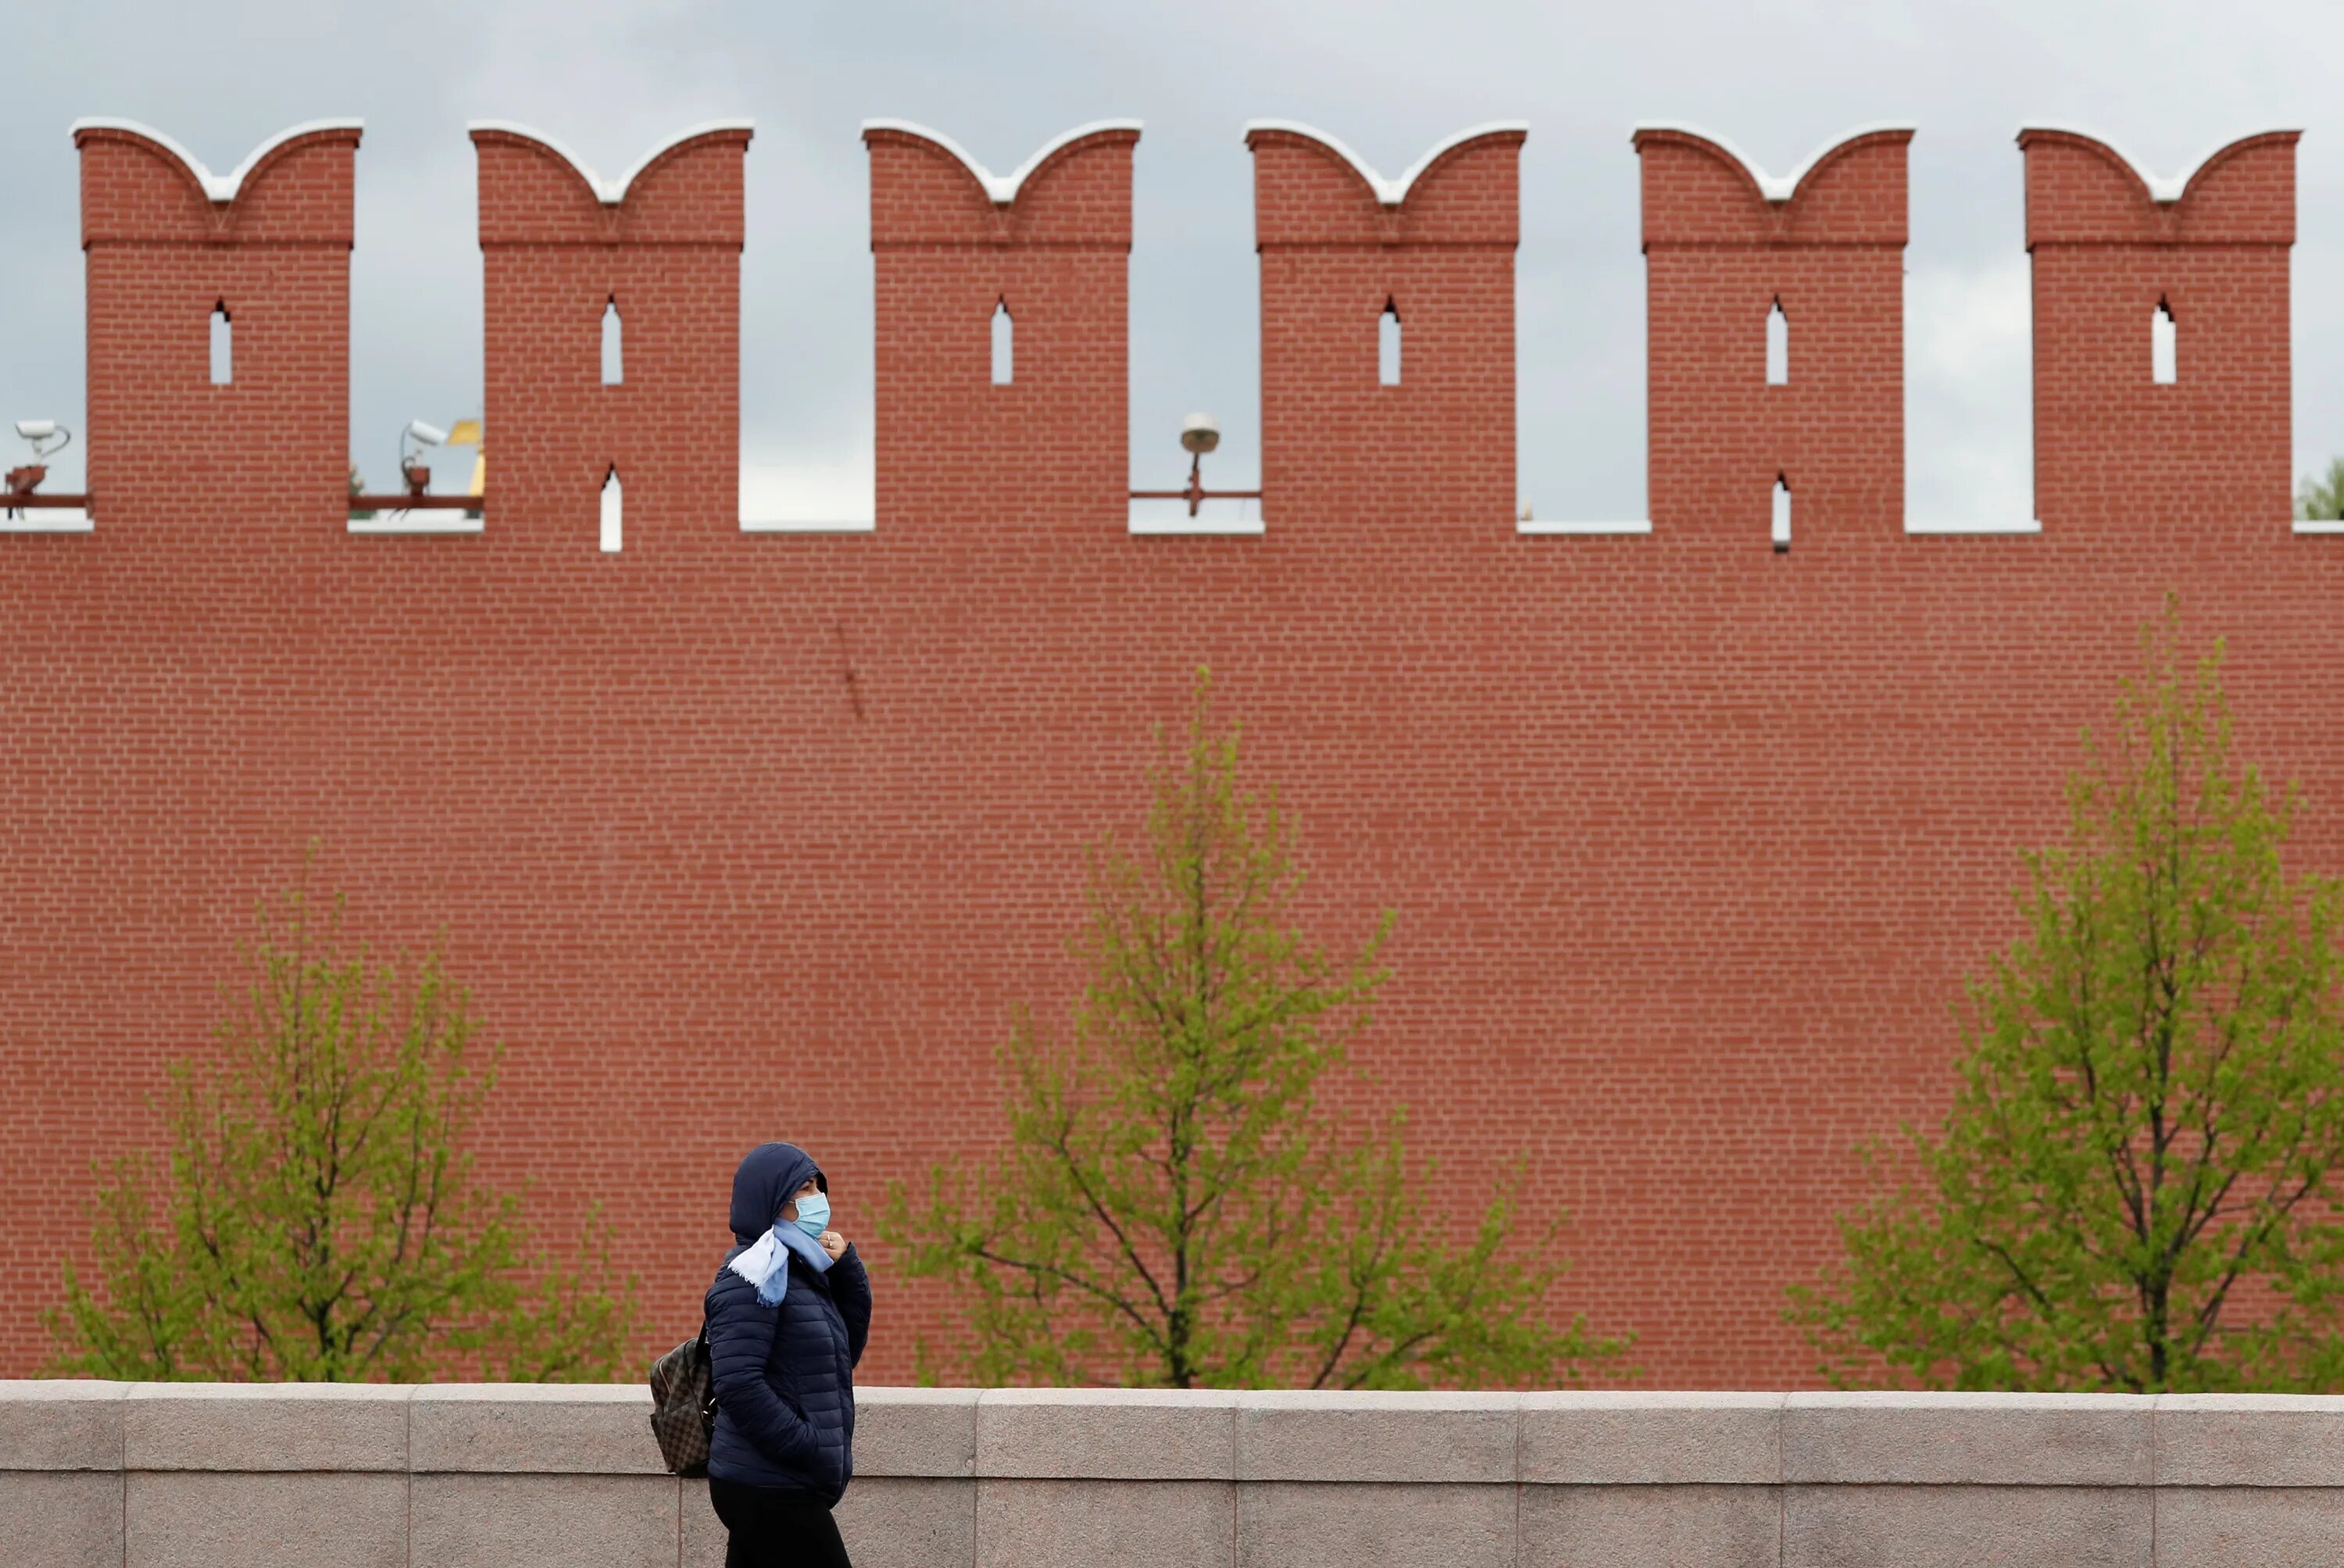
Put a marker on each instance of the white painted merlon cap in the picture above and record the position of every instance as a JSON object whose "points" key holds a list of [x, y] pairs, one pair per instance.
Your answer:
{"points": [[217, 187], [1391, 192], [1774, 187], [1002, 188], [610, 193], [2166, 188]]}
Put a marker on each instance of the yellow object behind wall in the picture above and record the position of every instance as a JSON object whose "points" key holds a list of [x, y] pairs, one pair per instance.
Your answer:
{"points": [[467, 433]]}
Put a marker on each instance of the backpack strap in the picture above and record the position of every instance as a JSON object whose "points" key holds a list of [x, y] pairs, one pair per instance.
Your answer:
{"points": [[708, 1410]]}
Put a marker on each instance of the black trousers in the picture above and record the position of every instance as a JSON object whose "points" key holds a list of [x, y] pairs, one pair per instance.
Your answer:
{"points": [[771, 1527]]}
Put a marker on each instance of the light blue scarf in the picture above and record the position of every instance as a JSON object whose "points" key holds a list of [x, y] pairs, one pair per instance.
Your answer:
{"points": [[765, 1262]]}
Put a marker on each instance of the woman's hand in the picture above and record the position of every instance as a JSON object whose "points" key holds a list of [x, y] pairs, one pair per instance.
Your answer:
{"points": [[833, 1243]]}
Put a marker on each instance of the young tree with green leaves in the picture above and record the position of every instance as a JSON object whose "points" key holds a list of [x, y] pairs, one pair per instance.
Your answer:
{"points": [[1174, 1207], [2134, 1188], [315, 1216]]}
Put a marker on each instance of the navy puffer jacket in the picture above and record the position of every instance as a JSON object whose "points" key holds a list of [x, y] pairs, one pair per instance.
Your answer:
{"points": [[785, 1375]]}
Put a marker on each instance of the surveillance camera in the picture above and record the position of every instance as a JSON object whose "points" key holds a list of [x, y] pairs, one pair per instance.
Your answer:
{"points": [[1199, 434], [430, 435], [46, 437]]}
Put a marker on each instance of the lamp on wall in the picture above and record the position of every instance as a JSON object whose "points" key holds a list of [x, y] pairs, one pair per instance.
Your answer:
{"points": [[47, 438], [416, 436], [1198, 435], [39, 434], [410, 463]]}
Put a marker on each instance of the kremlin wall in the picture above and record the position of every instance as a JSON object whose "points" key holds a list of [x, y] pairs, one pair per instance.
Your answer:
{"points": [[745, 831]]}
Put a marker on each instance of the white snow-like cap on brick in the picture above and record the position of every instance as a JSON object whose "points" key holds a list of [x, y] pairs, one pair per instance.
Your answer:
{"points": [[1391, 192], [1000, 189], [217, 187], [2162, 189], [610, 193], [1774, 187]]}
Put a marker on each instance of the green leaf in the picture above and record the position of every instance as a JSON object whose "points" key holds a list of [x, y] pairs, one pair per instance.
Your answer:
{"points": [[1175, 1205], [2133, 1189], [314, 1215]]}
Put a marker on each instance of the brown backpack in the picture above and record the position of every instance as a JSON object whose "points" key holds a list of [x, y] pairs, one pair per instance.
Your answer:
{"points": [[684, 1405]]}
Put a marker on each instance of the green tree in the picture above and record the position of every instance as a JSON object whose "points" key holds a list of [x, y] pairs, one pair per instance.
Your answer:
{"points": [[2134, 1187], [315, 1216], [1174, 1206], [2322, 496]]}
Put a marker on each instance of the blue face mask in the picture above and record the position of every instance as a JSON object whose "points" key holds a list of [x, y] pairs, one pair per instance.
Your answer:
{"points": [[814, 1214]]}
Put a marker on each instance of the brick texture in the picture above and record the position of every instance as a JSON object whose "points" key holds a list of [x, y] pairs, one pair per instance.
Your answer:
{"points": [[1718, 257], [555, 257], [736, 837], [953, 450], [1437, 449], [161, 256], [2105, 255]]}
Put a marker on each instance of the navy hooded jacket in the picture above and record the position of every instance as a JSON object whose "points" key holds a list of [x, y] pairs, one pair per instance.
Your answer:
{"points": [[785, 1375]]}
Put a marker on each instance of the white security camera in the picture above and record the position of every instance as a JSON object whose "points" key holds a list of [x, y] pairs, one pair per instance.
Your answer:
{"points": [[39, 433], [411, 464], [1199, 434]]}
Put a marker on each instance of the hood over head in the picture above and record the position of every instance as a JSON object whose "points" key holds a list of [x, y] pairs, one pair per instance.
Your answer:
{"points": [[769, 1174]]}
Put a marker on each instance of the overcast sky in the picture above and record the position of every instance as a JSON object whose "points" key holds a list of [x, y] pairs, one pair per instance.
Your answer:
{"points": [[2164, 79]]}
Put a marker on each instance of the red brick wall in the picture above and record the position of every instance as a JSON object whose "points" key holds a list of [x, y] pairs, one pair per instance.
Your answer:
{"points": [[738, 836], [2215, 441], [953, 448], [161, 256], [555, 257], [1437, 449], [1718, 255]]}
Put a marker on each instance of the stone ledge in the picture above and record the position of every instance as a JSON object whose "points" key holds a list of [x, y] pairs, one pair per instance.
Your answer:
{"points": [[916, 1433], [1961, 1439], [1302, 1435], [546, 1429], [1568, 1439], [61, 1423], [1635, 1438], [2249, 1440], [258, 1427], [1106, 1434]]}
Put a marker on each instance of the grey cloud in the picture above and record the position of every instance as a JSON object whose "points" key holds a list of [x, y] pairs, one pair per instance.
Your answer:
{"points": [[2163, 78]]}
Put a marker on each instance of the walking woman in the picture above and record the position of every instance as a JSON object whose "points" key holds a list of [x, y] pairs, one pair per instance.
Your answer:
{"points": [[787, 1317]]}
